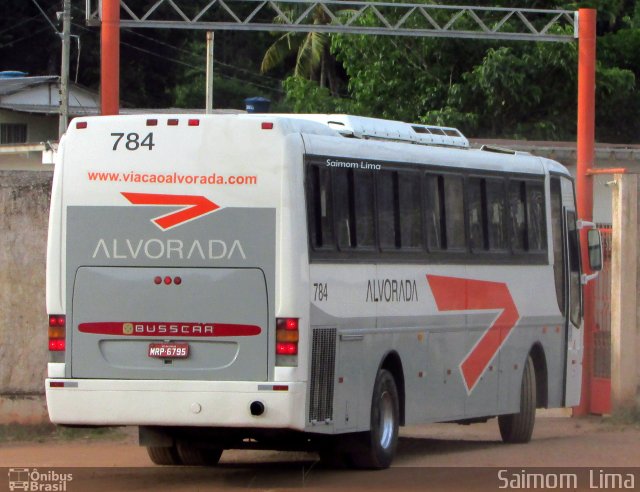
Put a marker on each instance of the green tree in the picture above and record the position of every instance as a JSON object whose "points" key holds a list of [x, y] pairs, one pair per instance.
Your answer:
{"points": [[313, 59], [494, 89]]}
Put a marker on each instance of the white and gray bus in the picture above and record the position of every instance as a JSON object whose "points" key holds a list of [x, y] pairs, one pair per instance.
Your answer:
{"points": [[305, 282]]}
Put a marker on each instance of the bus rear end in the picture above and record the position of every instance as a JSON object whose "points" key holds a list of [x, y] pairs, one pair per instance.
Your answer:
{"points": [[161, 277]]}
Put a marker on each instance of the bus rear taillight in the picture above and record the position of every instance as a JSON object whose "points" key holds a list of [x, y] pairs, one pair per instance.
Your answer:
{"points": [[287, 335], [57, 331]]}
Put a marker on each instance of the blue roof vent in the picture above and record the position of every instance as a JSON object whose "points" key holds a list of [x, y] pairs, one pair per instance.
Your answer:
{"points": [[257, 104], [12, 74]]}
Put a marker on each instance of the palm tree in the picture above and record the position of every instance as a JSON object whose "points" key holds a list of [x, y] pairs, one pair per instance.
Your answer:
{"points": [[313, 58]]}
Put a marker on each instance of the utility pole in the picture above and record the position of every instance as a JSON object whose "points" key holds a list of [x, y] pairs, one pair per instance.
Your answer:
{"points": [[64, 70], [209, 82]]}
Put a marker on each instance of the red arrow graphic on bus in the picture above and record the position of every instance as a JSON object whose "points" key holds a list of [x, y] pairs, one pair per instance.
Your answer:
{"points": [[461, 294], [194, 206]]}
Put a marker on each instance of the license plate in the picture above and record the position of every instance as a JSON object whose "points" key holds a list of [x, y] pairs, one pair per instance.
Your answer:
{"points": [[169, 350]]}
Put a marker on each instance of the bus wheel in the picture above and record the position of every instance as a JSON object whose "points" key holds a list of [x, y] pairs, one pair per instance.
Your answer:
{"points": [[518, 427], [196, 456], [161, 455], [375, 449]]}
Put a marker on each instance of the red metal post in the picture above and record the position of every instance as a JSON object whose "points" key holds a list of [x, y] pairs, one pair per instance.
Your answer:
{"points": [[584, 182], [110, 59]]}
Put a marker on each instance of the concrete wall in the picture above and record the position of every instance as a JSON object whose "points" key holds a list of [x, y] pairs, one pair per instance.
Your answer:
{"points": [[24, 204]]}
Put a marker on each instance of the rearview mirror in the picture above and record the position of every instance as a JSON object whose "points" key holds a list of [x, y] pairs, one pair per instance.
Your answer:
{"points": [[594, 243]]}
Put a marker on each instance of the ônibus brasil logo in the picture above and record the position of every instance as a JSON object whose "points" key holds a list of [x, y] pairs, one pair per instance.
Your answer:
{"points": [[35, 480], [192, 207]]}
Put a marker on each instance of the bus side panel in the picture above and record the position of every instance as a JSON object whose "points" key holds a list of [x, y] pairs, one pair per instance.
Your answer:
{"points": [[55, 253]]}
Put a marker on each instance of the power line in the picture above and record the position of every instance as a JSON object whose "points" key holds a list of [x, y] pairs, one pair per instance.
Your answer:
{"points": [[46, 16], [218, 62], [190, 53], [15, 26], [200, 69], [194, 67], [14, 41]]}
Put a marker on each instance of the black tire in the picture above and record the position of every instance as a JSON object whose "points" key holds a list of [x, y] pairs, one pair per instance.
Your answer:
{"points": [[518, 427], [375, 449], [167, 456], [191, 455]]}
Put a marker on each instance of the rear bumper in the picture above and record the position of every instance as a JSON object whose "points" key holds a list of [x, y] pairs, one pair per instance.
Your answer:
{"points": [[175, 403]]}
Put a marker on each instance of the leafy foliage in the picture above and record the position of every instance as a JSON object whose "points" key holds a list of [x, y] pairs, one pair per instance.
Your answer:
{"points": [[491, 89], [486, 88]]}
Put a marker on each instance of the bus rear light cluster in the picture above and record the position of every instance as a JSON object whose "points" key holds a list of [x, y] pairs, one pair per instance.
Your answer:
{"points": [[57, 332], [287, 336]]}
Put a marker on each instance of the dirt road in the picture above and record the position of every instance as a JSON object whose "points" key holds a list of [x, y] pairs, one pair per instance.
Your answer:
{"points": [[430, 457]]}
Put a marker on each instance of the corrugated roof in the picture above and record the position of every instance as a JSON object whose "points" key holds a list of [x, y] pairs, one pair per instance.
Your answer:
{"points": [[17, 84]]}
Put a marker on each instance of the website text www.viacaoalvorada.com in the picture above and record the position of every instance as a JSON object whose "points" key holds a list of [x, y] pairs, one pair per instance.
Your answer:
{"points": [[172, 178]]}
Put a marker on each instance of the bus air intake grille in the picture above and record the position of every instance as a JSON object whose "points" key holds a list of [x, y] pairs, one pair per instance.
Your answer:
{"points": [[323, 363]]}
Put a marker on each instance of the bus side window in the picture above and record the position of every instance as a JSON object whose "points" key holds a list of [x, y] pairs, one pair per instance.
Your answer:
{"points": [[364, 210], [410, 211], [454, 212], [476, 213], [434, 188], [353, 192], [558, 250], [536, 230], [320, 208], [575, 290], [344, 212], [387, 197], [497, 225], [518, 226]]}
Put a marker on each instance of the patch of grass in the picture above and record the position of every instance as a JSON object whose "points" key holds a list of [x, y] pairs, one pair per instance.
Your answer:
{"points": [[30, 433], [625, 417], [50, 432]]}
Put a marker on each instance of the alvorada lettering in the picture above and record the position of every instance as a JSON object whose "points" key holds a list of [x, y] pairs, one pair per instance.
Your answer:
{"points": [[155, 249]]}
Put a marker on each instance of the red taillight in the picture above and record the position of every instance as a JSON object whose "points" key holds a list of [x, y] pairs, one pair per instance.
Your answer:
{"points": [[157, 280], [194, 123], [152, 122], [57, 320], [57, 323], [287, 324], [177, 280], [172, 122], [266, 125], [56, 345], [167, 280], [289, 348], [81, 125], [287, 336]]}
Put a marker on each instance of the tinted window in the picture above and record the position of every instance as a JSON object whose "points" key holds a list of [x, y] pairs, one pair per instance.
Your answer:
{"points": [[320, 208], [410, 208], [517, 220], [575, 292], [535, 217], [475, 195], [364, 211], [387, 184], [343, 200], [434, 191], [454, 212], [496, 224]]}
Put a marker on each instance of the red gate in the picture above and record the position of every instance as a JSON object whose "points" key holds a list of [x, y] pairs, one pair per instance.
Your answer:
{"points": [[601, 364]]}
